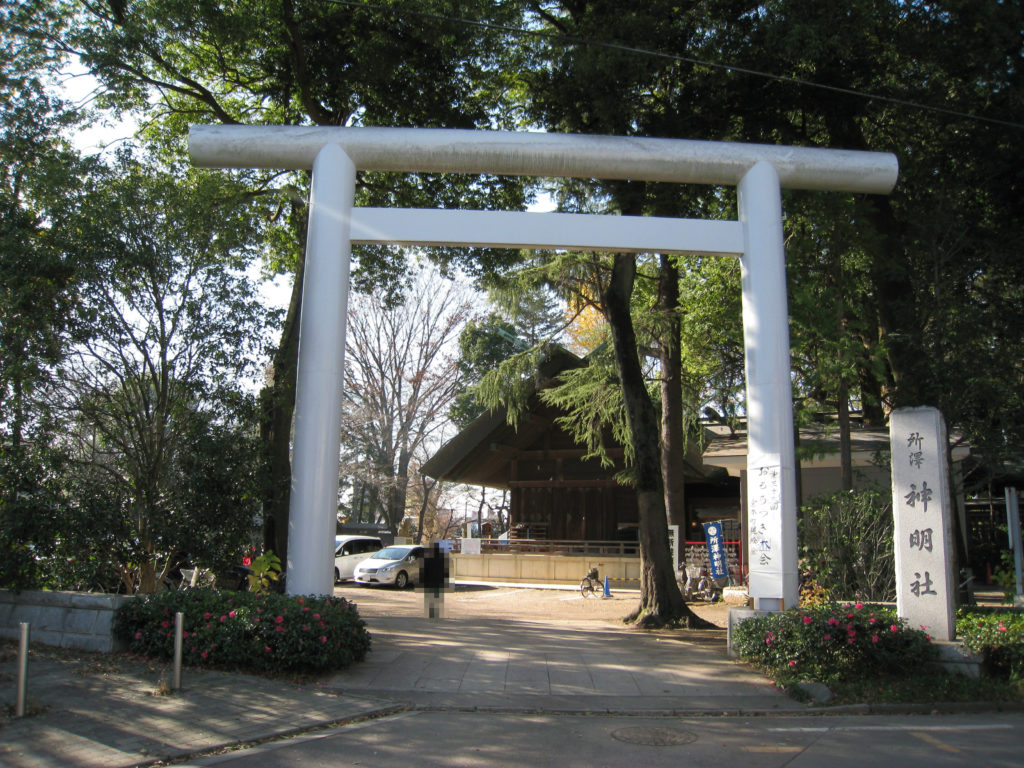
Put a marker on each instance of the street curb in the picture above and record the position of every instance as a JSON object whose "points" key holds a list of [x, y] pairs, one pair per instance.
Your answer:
{"points": [[289, 733]]}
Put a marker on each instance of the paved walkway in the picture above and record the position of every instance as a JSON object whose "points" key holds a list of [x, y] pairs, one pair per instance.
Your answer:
{"points": [[107, 711], [494, 664]]}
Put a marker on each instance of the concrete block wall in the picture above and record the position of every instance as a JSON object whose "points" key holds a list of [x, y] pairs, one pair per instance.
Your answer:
{"points": [[63, 619]]}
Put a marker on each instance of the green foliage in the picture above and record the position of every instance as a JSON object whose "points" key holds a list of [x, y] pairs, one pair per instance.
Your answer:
{"points": [[246, 631], [1005, 575], [998, 634], [483, 346], [846, 541], [266, 569], [833, 643], [515, 380], [591, 399]]}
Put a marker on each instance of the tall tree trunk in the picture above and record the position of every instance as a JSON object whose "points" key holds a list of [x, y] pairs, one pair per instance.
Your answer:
{"points": [[845, 454], [673, 437], [661, 601], [897, 319], [424, 504], [278, 404], [842, 387], [398, 492], [871, 395]]}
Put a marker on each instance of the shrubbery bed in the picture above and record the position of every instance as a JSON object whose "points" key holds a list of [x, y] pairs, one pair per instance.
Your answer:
{"points": [[997, 634], [832, 643], [247, 631]]}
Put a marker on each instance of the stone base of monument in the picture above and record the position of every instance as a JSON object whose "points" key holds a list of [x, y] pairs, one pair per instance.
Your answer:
{"points": [[953, 657], [737, 616]]}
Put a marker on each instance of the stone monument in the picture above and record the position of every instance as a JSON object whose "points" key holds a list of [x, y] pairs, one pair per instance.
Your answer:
{"points": [[925, 565]]}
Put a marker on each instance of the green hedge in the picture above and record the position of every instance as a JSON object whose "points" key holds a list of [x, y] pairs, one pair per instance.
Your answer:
{"points": [[997, 634], [247, 631], [833, 643]]}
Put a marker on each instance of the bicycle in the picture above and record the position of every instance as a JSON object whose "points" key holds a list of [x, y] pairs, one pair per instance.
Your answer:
{"points": [[701, 586], [590, 583]]}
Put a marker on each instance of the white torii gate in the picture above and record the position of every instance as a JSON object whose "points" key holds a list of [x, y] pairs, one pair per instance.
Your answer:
{"points": [[759, 172]]}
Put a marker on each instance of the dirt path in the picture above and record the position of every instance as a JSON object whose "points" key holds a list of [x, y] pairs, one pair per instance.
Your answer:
{"points": [[547, 605]]}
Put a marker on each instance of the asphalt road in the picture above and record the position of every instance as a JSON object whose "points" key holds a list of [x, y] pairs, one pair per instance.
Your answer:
{"points": [[495, 740]]}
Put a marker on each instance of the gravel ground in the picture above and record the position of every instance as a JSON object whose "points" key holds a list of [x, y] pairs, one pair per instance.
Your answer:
{"points": [[523, 604]]}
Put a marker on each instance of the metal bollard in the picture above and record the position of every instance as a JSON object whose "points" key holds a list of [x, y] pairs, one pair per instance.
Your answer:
{"points": [[19, 705], [179, 623]]}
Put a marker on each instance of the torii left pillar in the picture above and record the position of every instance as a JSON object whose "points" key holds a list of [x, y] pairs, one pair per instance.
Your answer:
{"points": [[320, 377]]}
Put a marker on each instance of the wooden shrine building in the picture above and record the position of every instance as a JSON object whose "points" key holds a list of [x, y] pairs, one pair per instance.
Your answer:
{"points": [[556, 493]]}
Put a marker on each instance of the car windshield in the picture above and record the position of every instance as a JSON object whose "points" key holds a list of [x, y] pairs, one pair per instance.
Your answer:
{"points": [[391, 553]]}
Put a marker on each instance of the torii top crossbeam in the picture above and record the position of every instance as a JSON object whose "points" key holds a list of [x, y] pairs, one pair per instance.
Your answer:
{"points": [[758, 172], [443, 150]]}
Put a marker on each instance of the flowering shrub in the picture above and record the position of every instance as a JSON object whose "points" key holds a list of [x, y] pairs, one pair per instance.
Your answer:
{"points": [[832, 643], [998, 635], [242, 630]]}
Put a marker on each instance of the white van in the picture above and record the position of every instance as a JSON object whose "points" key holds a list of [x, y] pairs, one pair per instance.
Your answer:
{"points": [[351, 551]]}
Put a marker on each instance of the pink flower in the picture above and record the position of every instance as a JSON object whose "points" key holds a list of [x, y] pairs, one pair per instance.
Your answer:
{"points": [[792, 663], [871, 621], [206, 615], [231, 614], [165, 624], [858, 606], [323, 638], [138, 635], [1001, 628], [851, 633], [223, 619], [246, 560], [893, 628], [301, 601], [266, 648], [828, 637], [807, 619], [279, 619], [316, 615], [833, 622], [874, 638], [205, 654], [280, 629]]}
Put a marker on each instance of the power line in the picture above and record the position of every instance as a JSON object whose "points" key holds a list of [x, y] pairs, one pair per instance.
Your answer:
{"points": [[569, 40]]}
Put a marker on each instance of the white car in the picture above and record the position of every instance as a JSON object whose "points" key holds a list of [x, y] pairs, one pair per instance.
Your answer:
{"points": [[399, 565], [351, 551]]}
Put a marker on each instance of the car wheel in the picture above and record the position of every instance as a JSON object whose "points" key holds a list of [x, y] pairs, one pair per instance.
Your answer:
{"points": [[337, 575], [402, 580]]}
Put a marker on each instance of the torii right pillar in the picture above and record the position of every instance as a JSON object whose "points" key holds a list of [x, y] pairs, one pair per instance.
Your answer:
{"points": [[771, 462]]}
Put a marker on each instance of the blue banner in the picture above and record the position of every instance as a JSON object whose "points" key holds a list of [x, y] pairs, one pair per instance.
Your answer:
{"points": [[716, 550]]}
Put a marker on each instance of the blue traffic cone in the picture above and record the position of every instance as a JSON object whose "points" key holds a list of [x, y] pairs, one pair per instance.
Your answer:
{"points": [[607, 592]]}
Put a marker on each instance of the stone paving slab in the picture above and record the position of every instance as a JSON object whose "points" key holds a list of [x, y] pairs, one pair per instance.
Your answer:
{"points": [[461, 662], [88, 717]]}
